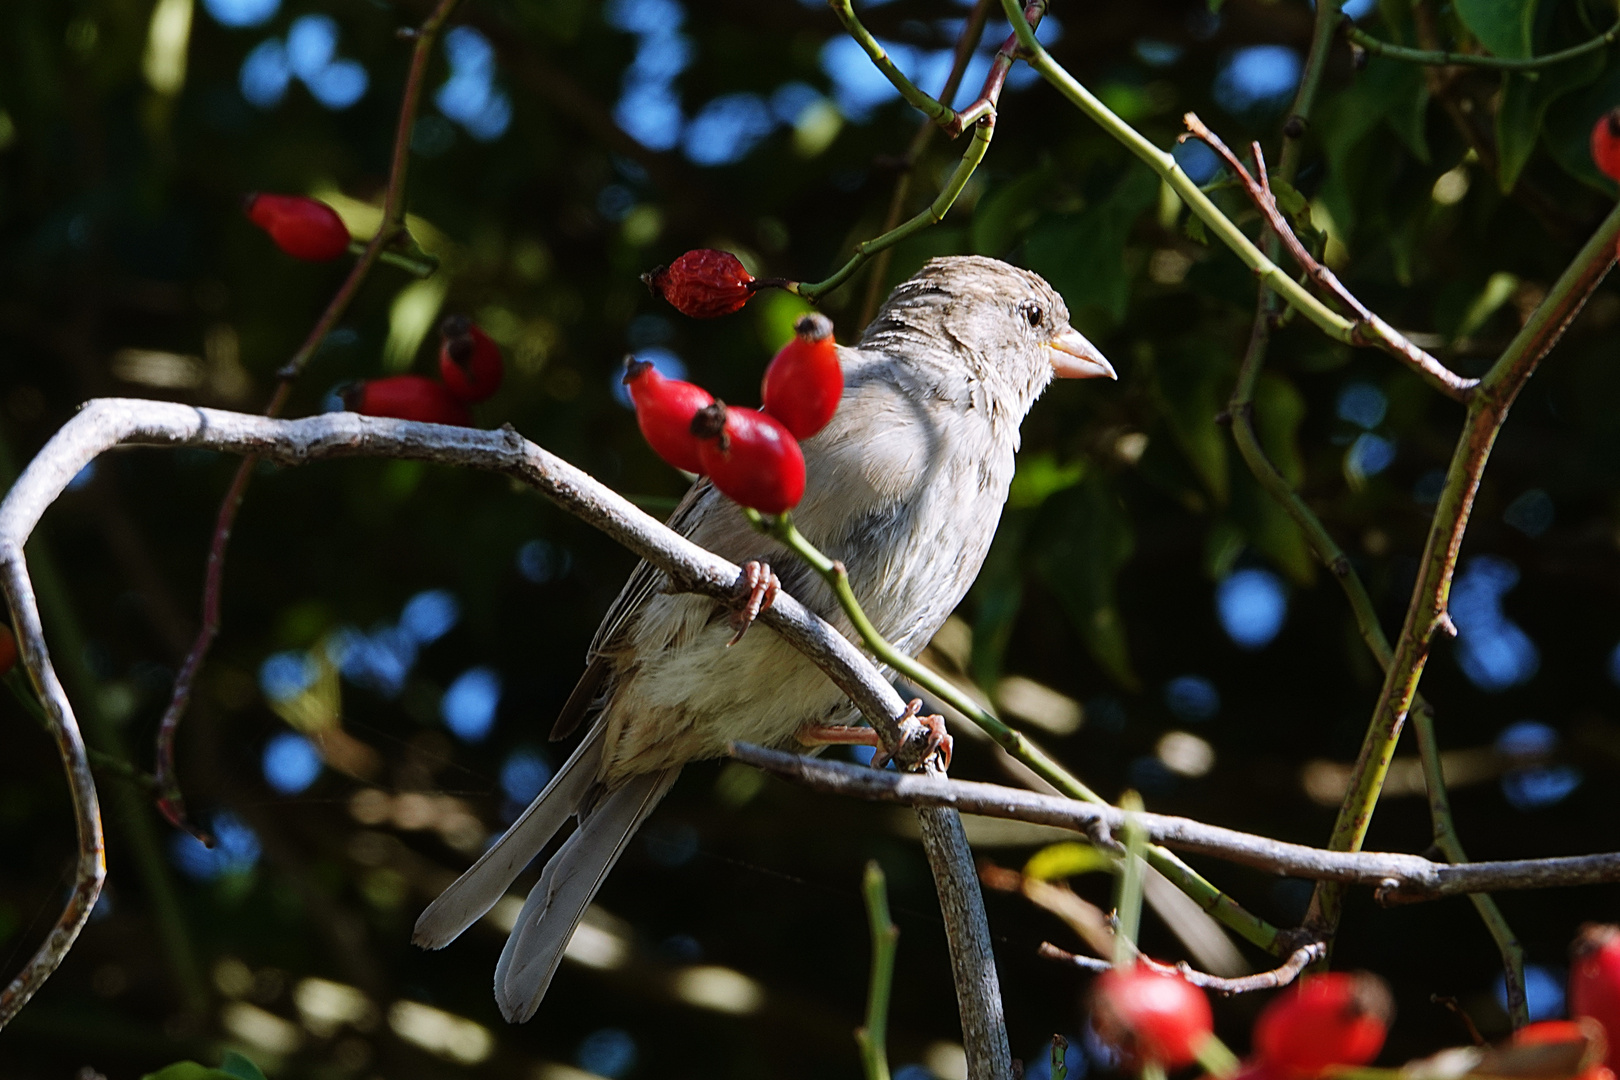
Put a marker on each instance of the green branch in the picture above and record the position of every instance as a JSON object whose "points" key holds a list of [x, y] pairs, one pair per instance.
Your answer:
{"points": [[1220, 906], [935, 110], [1435, 58], [873, 1038]]}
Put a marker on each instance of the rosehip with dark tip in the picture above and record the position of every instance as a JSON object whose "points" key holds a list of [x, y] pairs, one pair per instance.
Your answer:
{"points": [[469, 361], [1594, 980], [664, 412], [302, 227], [1151, 1016], [407, 397], [704, 284], [805, 381], [1333, 1019], [751, 458], [1606, 143]]}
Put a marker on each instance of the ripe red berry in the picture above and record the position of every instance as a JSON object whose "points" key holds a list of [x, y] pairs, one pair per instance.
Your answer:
{"points": [[303, 228], [704, 284], [805, 382], [1594, 980], [1331, 1019], [664, 412], [1150, 1016], [469, 362], [407, 397], [751, 457], [1606, 143], [8, 650]]}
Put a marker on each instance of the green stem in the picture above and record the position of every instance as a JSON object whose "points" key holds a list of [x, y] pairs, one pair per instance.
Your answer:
{"points": [[417, 267], [983, 132], [1128, 902], [1270, 274], [1208, 897], [1389, 50], [873, 1038], [936, 111]]}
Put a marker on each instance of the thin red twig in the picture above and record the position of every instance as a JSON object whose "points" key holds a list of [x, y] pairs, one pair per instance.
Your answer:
{"points": [[171, 801]]}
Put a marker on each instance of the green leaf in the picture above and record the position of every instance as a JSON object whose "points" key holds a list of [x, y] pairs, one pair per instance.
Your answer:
{"points": [[240, 1067], [1525, 99], [1191, 382], [1039, 476], [1567, 130], [1279, 409], [1386, 91], [1192, 226], [1082, 552], [1505, 27], [190, 1070], [1066, 859], [1083, 254]]}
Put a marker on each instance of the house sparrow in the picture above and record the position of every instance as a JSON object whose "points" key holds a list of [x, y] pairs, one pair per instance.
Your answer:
{"points": [[905, 486]]}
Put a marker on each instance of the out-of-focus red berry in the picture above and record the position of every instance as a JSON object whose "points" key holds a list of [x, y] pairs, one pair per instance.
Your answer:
{"points": [[469, 362], [704, 284], [805, 381], [407, 397], [304, 228], [664, 412], [1594, 980], [751, 457], [1150, 1016], [8, 650], [1584, 1035], [1606, 143], [1332, 1019]]}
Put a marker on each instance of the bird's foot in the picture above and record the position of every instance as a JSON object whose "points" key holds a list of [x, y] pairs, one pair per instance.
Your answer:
{"points": [[757, 587], [939, 739]]}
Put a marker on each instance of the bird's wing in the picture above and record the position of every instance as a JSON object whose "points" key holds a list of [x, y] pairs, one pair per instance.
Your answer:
{"points": [[645, 581]]}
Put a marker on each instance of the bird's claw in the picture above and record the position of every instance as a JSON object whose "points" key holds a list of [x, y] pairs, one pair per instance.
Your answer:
{"points": [[939, 740], [757, 587]]}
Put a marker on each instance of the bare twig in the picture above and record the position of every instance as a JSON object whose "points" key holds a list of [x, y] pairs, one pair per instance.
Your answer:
{"points": [[1287, 972], [171, 801], [1368, 329], [1398, 878]]}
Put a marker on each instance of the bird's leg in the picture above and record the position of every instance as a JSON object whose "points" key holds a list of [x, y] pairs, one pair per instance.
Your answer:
{"points": [[939, 739], [757, 587]]}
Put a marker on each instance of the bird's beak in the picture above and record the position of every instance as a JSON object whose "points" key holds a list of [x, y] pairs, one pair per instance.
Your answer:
{"points": [[1073, 357]]}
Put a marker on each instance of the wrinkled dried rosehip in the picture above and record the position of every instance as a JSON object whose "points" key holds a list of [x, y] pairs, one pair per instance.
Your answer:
{"points": [[1150, 1016], [805, 381], [704, 284], [750, 456], [469, 362], [1594, 980], [664, 412], [1332, 1019], [1606, 143], [407, 397], [302, 227]]}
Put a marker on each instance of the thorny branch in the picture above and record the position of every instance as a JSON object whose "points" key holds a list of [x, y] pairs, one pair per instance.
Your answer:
{"points": [[1396, 878], [171, 801]]}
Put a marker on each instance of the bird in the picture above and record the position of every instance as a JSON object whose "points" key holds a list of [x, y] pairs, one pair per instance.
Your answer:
{"points": [[905, 486]]}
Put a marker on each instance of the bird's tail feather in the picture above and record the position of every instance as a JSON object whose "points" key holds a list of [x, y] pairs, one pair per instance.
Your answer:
{"points": [[486, 881], [566, 886]]}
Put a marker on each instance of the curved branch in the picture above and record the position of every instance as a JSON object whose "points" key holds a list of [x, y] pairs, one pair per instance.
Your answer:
{"points": [[1399, 879], [1434, 58]]}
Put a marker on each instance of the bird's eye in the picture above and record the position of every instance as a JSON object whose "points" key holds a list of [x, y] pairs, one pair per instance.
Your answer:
{"points": [[1033, 314]]}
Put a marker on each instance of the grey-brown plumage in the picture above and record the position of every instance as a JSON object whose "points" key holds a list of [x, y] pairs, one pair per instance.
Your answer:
{"points": [[905, 485]]}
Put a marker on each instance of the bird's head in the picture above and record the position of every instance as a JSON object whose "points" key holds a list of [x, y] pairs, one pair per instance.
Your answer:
{"points": [[1007, 326]]}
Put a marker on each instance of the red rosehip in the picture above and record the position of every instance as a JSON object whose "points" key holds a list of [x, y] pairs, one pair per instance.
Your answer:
{"points": [[1606, 143], [8, 650], [1594, 980], [664, 412], [469, 362], [704, 284], [1331, 1019], [751, 457], [804, 383], [1585, 1032], [407, 397], [304, 228], [1151, 1016]]}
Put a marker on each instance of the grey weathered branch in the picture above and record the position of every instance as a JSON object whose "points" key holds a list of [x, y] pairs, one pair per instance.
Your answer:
{"points": [[114, 422], [1287, 972], [1398, 878]]}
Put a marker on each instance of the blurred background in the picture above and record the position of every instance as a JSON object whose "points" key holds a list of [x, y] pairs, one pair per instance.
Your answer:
{"points": [[397, 638]]}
